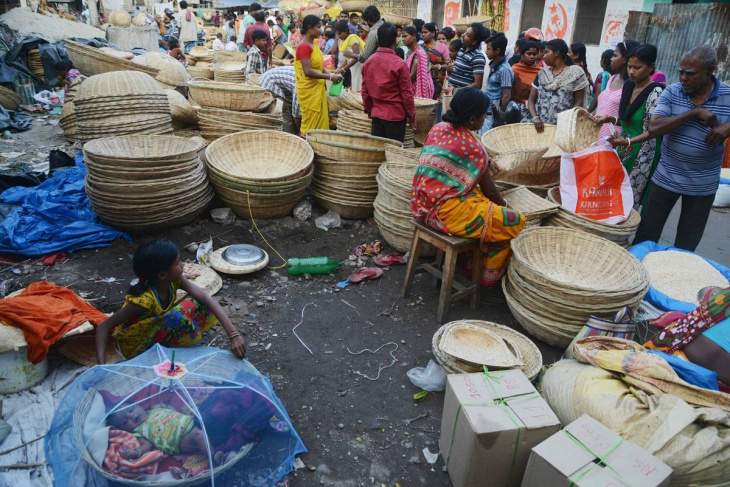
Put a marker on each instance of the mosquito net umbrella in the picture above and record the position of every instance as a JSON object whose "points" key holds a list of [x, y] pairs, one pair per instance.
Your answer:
{"points": [[172, 417]]}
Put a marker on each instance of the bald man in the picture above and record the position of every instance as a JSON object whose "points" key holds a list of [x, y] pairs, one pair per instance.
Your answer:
{"points": [[693, 116]]}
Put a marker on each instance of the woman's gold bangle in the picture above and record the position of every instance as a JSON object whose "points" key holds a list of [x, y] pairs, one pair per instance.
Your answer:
{"points": [[234, 335]]}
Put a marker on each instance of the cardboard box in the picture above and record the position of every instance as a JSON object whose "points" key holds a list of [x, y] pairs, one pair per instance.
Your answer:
{"points": [[487, 441], [587, 454]]}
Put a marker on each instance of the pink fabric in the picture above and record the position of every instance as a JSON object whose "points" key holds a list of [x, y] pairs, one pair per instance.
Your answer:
{"points": [[608, 101], [443, 49], [423, 87]]}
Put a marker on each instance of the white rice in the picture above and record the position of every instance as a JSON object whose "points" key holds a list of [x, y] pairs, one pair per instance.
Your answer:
{"points": [[681, 275]]}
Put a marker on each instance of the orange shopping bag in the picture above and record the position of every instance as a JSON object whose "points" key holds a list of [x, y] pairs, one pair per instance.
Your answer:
{"points": [[594, 184]]}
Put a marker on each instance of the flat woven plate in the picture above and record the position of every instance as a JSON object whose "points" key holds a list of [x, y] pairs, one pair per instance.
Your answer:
{"points": [[219, 263], [528, 203], [203, 276], [479, 346]]}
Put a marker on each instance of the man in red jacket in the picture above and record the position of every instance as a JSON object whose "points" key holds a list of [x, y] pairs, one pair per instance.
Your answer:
{"points": [[387, 90]]}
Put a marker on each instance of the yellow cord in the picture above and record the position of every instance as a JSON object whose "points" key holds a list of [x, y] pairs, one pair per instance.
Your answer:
{"points": [[250, 213]]}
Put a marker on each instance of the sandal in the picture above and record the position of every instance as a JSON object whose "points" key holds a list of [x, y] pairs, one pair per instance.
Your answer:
{"points": [[366, 274], [388, 260]]}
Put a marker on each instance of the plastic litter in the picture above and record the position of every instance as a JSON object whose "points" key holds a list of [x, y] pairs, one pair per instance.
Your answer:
{"points": [[431, 378], [328, 220], [302, 211], [202, 254]]}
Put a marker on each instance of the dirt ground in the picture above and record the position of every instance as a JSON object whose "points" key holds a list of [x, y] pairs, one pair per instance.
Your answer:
{"points": [[358, 421]]}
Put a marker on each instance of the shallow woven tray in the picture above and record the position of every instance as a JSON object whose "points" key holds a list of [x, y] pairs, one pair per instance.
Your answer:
{"points": [[91, 61], [349, 146], [528, 351], [576, 130], [142, 148], [260, 155], [528, 203], [229, 96]]}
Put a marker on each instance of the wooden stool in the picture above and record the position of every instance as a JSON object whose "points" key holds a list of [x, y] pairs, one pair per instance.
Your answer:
{"points": [[448, 249]]}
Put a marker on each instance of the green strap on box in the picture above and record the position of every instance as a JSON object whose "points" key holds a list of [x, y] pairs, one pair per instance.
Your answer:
{"points": [[601, 459]]}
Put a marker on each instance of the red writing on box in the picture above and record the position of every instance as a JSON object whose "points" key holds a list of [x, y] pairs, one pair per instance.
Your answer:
{"points": [[471, 388]]}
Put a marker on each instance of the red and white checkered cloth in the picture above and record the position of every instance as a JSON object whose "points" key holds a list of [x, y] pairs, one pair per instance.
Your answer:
{"points": [[129, 469]]}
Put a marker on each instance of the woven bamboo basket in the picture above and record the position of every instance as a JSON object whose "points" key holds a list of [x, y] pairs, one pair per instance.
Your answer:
{"points": [[260, 187], [73, 88], [229, 96], [260, 155], [142, 150], [397, 19], [180, 109], [349, 146], [158, 172], [426, 115], [346, 168], [225, 56], [530, 205], [229, 72], [121, 86], [172, 72], [507, 138], [205, 72], [9, 99], [35, 64], [253, 79], [91, 61], [619, 233], [120, 18], [576, 130], [346, 209], [351, 185], [462, 24], [319, 12], [344, 191], [402, 156], [261, 205], [355, 5]]}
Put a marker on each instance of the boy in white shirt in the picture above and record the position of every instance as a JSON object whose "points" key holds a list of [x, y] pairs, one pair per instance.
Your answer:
{"points": [[218, 42], [231, 45]]}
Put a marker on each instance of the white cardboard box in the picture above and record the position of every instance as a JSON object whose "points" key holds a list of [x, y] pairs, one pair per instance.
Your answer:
{"points": [[587, 454], [485, 441]]}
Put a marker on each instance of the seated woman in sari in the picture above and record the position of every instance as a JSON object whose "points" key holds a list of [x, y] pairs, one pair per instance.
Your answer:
{"points": [[311, 75], [702, 336], [453, 191]]}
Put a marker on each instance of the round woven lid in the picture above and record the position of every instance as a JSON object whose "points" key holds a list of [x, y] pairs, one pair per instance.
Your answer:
{"points": [[239, 259], [479, 346], [203, 276], [118, 84]]}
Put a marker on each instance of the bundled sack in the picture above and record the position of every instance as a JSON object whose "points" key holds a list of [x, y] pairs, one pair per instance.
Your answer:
{"points": [[594, 184]]}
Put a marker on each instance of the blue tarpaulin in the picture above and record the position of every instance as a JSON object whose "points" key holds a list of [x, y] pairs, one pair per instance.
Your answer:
{"points": [[55, 216]]}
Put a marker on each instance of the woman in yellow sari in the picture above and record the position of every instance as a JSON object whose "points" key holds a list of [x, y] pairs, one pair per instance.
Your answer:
{"points": [[311, 76], [453, 191]]}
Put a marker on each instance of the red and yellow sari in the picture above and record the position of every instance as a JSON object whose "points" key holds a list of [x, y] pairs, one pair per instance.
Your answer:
{"points": [[446, 197]]}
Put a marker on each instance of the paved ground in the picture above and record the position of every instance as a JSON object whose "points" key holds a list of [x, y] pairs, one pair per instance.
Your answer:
{"points": [[359, 430]]}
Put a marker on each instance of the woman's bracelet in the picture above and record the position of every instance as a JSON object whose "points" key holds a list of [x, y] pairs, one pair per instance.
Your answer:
{"points": [[234, 335], [628, 139]]}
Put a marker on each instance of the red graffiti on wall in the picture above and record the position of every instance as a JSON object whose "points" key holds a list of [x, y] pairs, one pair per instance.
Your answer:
{"points": [[557, 23], [613, 31]]}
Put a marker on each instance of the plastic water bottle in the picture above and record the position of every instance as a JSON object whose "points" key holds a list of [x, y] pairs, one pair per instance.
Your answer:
{"points": [[312, 265]]}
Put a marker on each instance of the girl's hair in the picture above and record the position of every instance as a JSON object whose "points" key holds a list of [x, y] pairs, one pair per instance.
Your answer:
{"points": [[456, 44], [63, 66], [412, 31], [431, 27], [149, 260], [646, 53], [329, 34], [173, 43], [449, 33], [579, 49], [529, 45], [310, 22], [606, 58], [341, 26], [626, 47], [467, 103], [560, 47]]}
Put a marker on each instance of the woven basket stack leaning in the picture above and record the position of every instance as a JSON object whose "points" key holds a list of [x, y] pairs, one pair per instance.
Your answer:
{"points": [[184, 115], [227, 108], [146, 182], [348, 100], [346, 166], [530, 205], [260, 173], [358, 121], [558, 278], [91, 61], [618, 233], [34, 63], [199, 54], [392, 207], [172, 72], [529, 358], [517, 145], [229, 71], [121, 103]]}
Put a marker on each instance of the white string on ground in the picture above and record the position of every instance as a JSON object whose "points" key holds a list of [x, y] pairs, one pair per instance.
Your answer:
{"points": [[392, 354], [294, 330]]}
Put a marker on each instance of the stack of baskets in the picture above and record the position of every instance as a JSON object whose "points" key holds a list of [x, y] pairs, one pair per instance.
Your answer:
{"points": [[226, 56], [520, 146], [348, 100], [183, 113], [146, 182], [120, 103], [532, 207], [358, 121], [229, 72], [393, 205], [201, 70], [91, 61], [558, 278], [34, 63], [172, 72], [67, 119], [253, 79], [617, 233], [260, 173], [199, 54], [426, 116], [231, 107], [346, 165]]}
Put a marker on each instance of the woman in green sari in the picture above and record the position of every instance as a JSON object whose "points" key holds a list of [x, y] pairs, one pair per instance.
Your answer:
{"points": [[639, 151]]}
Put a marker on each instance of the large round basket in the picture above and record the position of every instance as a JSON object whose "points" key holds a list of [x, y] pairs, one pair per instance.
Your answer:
{"points": [[229, 96], [141, 150], [349, 146], [397, 19], [355, 5], [9, 99], [462, 24], [426, 116], [507, 138], [576, 130], [260, 155], [205, 72], [172, 72], [618, 233]]}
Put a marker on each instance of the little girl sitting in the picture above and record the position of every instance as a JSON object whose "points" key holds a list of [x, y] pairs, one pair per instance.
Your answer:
{"points": [[161, 429], [150, 314]]}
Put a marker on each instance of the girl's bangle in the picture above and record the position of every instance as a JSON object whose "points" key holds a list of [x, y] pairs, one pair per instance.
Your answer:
{"points": [[234, 335], [628, 139]]}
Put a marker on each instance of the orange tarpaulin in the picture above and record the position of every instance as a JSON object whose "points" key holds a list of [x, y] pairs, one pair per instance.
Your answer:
{"points": [[45, 312]]}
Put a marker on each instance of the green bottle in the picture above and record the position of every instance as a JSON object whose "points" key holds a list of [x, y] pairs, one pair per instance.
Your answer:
{"points": [[312, 265]]}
